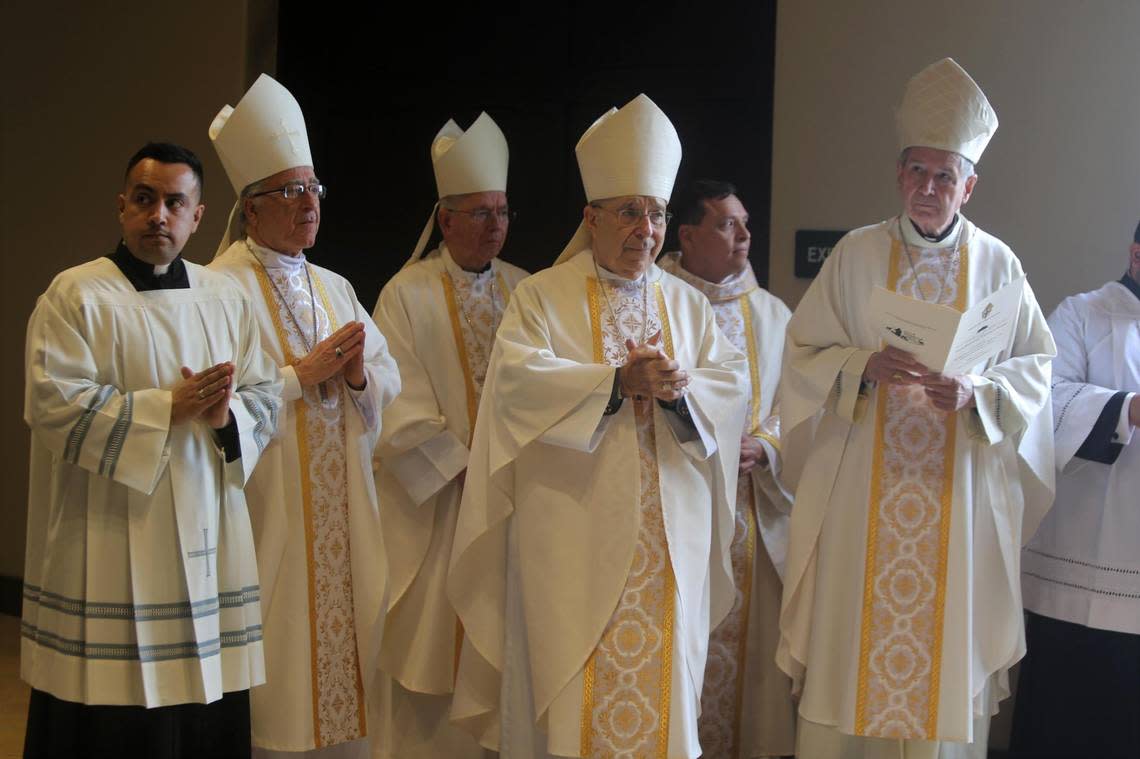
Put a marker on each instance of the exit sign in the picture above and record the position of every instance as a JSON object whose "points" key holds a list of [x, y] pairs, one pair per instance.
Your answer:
{"points": [[813, 246]]}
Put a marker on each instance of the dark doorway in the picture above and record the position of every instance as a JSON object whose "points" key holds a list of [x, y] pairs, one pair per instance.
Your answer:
{"points": [[378, 82]]}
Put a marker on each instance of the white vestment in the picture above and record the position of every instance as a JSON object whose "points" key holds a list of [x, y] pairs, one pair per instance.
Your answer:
{"points": [[140, 585], [440, 324], [320, 550], [1083, 565], [747, 708], [567, 534], [902, 589]]}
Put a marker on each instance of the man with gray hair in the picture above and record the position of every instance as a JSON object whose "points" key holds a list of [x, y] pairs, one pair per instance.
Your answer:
{"points": [[320, 550], [901, 613], [591, 552], [439, 315]]}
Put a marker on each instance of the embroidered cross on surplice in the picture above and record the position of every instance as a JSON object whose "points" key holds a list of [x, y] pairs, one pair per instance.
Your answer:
{"points": [[206, 551]]}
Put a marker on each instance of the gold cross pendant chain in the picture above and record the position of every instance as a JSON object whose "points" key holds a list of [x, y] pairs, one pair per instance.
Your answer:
{"points": [[292, 316]]}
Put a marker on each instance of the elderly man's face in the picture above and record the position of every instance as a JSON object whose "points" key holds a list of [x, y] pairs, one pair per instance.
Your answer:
{"points": [[933, 187], [622, 245], [717, 248], [159, 210], [285, 225], [475, 227]]}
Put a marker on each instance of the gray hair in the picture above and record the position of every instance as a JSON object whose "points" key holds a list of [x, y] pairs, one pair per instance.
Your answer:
{"points": [[247, 191], [965, 165]]}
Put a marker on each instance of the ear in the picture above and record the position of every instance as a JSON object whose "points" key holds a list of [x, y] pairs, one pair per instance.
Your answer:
{"points": [[445, 218], [970, 182], [1134, 256], [685, 236], [249, 208], [198, 212], [590, 217], [122, 206]]}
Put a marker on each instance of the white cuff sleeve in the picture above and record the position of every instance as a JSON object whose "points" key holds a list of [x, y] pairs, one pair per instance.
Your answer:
{"points": [[1124, 428]]}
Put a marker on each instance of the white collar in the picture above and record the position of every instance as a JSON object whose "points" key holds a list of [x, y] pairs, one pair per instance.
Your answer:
{"points": [[271, 259]]}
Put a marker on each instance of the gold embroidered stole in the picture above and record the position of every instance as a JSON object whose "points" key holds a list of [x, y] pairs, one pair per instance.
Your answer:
{"points": [[627, 681], [908, 533], [339, 712], [723, 690], [457, 335]]}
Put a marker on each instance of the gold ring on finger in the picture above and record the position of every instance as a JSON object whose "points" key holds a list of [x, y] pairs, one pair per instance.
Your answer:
{"points": [[339, 352], [896, 376], [201, 393]]}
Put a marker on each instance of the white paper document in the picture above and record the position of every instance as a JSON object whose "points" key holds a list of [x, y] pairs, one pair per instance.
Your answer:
{"points": [[947, 341]]}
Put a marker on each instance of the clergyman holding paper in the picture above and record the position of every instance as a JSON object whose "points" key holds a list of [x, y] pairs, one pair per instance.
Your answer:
{"points": [[901, 612]]}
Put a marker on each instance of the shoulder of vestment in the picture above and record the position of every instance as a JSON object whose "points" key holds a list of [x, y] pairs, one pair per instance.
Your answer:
{"points": [[1110, 299]]}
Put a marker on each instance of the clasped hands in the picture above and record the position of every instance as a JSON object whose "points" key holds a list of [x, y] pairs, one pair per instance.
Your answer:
{"points": [[893, 366], [343, 350], [203, 395], [649, 373]]}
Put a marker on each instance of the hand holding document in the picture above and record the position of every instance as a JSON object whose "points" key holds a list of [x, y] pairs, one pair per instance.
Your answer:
{"points": [[946, 341]]}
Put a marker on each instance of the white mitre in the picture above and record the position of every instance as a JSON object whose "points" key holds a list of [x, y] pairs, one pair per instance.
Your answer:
{"points": [[263, 135], [465, 162], [943, 108], [633, 150]]}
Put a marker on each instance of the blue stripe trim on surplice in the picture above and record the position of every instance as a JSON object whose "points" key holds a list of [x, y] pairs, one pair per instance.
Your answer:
{"points": [[156, 612], [83, 424], [117, 437], [261, 424], [133, 652]]}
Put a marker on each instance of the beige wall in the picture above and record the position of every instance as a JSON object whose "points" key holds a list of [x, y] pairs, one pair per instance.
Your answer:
{"points": [[1060, 181], [84, 85]]}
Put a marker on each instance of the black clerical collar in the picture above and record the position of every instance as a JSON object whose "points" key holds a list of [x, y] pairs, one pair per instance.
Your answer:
{"points": [[142, 276], [939, 237], [1131, 284]]}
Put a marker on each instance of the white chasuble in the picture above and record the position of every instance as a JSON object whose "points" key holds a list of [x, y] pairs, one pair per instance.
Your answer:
{"points": [[902, 594], [746, 703], [627, 682], [314, 511], [613, 579], [440, 323], [1083, 565], [140, 582]]}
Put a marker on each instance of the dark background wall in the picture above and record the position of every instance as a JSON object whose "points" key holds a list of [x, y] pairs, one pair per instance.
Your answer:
{"points": [[375, 95]]}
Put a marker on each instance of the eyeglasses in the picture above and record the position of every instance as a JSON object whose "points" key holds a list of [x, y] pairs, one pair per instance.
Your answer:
{"points": [[628, 217], [295, 190], [481, 215]]}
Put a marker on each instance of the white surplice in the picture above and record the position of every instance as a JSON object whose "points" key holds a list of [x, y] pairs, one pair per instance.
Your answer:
{"points": [[567, 488], [1002, 484], [1083, 565], [747, 708], [312, 500], [140, 582], [440, 324]]}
